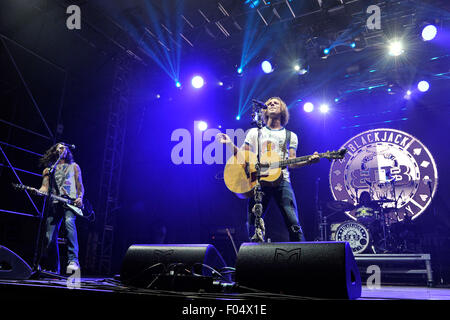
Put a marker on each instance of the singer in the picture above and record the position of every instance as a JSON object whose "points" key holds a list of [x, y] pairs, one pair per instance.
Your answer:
{"points": [[275, 137], [66, 181]]}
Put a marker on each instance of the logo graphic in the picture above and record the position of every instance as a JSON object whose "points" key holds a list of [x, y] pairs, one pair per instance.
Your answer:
{"points": [[394, 167], [355, 234], [288, 256]]}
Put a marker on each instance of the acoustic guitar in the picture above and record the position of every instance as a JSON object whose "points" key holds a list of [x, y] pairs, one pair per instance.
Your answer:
{"points": [[240, 172]]}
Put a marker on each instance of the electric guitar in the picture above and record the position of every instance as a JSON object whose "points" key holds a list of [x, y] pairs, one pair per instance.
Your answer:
{"points": [[85, 211], [240, 173]]}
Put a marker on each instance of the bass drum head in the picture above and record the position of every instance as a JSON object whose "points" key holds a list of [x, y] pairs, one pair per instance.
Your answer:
{"points": [[356, 234]]}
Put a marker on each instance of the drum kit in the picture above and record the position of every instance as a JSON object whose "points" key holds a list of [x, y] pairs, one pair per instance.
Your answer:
{"points": [[371, 230]]}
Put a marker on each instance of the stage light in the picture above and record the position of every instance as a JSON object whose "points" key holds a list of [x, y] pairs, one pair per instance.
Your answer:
{"points": [[239, 70], [266, 66], [158, 96], [197, 82], [178, 84], [408, 92], [220, 83], [395, 48], [297, 67], [324, 108], [326, 51], [308, 107], [353, 45], [238, 117], [423, 86], [429, 32], [202, 125]]}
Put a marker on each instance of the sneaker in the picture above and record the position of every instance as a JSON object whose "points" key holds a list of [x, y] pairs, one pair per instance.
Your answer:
{"points": [[72, 267]]}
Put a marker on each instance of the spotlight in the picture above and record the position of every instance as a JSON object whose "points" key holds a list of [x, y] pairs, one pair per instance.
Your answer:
{"points": [[158, 96], [423, 86], [297, 67], [178, 84], [202, 125], [220, 83], [324, 108], [266, 66], [308, 107], [238, 117], [239, 70], [395, 48], [429, 32], [326, 51], [353, 45], [408, 93], [197, 82]]}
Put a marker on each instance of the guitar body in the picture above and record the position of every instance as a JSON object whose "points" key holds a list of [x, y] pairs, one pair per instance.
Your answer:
{"points": [[240, 172], [78, 211]]}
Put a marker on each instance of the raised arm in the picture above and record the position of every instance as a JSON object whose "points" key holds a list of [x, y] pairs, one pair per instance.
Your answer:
{"points": [[45, 180]]}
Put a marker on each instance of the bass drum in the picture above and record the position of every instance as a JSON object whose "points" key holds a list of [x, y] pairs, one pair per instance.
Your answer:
{"points": [[356, 234]]}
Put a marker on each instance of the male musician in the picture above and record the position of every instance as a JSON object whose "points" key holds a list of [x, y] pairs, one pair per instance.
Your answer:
{"points": [[274, 137], [66, 181]]}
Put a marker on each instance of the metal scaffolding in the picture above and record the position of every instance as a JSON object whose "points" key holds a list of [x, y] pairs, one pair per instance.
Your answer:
{"points": [[109, 192]]}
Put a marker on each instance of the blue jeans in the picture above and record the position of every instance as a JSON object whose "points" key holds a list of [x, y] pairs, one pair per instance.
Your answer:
{"points": [[53, 223], [285, 200]]}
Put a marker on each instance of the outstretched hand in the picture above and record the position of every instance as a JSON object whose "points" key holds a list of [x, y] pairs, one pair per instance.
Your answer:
{"points": [[223, 138]]}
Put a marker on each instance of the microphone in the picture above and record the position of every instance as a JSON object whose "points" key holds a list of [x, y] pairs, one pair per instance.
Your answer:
{"points": [[261, 104], [70, 146]]}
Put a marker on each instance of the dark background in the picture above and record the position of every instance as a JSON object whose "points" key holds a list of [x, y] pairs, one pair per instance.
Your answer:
{"points": [[57, 85]]}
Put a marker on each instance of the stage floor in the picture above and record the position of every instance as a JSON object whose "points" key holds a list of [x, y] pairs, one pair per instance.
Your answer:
{"points": [[36, 289]]}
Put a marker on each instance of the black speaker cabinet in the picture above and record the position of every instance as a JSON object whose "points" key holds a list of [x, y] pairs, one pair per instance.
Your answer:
{"points": [[310, 269], [143, 261], [12, 266]]}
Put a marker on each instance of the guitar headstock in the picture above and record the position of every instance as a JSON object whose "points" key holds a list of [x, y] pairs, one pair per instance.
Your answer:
{"points": [[18, 186], [334, 155]]}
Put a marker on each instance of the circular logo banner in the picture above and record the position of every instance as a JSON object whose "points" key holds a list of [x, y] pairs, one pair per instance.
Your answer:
{"points": [[394, 167]]}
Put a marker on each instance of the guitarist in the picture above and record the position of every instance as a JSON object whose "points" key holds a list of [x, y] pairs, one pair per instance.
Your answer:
{"points": [[66, 182], [274, 137]]}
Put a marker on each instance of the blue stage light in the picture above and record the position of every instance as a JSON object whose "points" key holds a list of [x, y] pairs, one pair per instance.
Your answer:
{"points": [[239, 70], [266, 66], [429, 32], [353, 44], [423, 86], [326, 51], [238, 117], [197, 82], [178, 84], [308, 107]]}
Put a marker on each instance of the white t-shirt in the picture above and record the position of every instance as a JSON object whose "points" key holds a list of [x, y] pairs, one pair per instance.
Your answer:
{"points": [[277, 138]]}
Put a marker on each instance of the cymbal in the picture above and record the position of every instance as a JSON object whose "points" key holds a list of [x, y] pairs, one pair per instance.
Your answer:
{"points": [[340, 206], [383, 200]]}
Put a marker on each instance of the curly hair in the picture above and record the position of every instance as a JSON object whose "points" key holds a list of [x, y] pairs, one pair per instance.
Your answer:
{"points": [[284, 112], [51, 155]]}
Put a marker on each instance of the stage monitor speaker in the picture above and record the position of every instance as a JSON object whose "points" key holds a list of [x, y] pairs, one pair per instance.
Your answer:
{"points": [[310, 269], [143, 261], [12, 266]]}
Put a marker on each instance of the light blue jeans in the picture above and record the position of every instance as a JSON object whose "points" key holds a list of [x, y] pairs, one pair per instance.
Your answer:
{"points": [[57, 213]]}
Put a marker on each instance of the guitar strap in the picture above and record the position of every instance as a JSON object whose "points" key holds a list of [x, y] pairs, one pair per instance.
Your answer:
{"points": [[288, 138]]}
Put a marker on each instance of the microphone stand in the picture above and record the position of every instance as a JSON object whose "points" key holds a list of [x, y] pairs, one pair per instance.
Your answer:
{"points": [[37, 273], [257, 209], [322, 219]]}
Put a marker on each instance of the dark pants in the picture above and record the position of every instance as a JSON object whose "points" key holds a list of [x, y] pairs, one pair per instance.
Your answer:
{"points": [[57, 213], [285, 200]]}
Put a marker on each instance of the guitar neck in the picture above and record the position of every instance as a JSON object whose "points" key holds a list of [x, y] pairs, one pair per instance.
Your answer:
{"points": [[285, 163], [52, 196]]}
